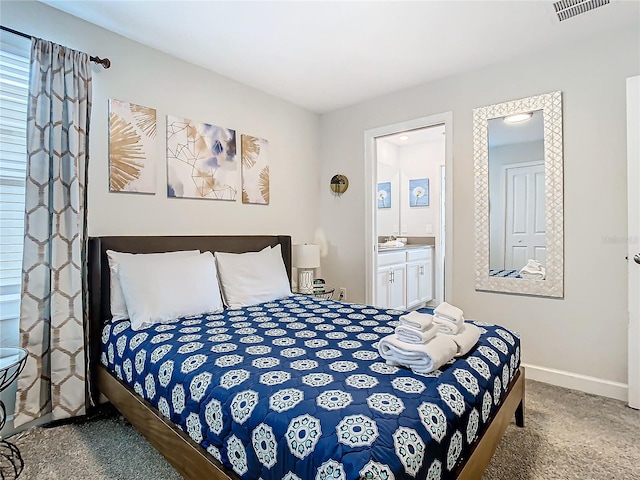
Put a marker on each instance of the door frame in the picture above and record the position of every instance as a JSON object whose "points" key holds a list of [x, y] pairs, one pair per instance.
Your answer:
{"points": [[633, 236], [371, 181]]}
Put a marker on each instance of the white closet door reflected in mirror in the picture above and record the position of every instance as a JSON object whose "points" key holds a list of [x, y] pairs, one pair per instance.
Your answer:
{"points": [[517, 229]]}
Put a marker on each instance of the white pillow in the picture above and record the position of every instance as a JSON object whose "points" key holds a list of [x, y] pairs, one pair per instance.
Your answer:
{"points": [[166, 288], [253, 277], [118, 306]]}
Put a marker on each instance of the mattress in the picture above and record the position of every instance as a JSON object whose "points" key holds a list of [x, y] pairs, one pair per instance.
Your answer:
{"points": [[295, 389]]}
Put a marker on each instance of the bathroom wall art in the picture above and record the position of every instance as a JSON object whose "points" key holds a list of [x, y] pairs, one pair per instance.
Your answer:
{"points": [[419, 192], [384, 195]]}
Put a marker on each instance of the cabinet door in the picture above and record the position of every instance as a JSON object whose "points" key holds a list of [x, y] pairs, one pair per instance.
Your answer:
{"points": [[397, 290], [383, 287], [415, 284], [425, 276]]}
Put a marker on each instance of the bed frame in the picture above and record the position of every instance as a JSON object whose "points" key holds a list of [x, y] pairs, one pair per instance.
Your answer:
{"points": [[187, 457]]}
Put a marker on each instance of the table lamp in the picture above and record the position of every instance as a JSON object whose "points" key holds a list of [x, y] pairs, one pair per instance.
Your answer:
{"points": [[305, 258]]}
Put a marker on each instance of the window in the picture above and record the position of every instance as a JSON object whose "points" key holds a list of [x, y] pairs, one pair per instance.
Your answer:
{"points": [[14, 88]]}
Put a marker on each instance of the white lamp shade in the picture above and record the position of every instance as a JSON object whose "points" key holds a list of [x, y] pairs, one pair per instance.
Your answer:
{"points": [[306, 256]]}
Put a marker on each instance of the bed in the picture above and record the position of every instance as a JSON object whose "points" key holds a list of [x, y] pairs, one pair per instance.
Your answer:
{"points": [[293, 388]]}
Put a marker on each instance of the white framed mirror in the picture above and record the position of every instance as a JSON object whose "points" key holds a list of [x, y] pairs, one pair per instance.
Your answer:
{"points": [[518, 166]]}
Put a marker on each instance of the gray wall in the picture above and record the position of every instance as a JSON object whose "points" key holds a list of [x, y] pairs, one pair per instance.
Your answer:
{"points": [[151, 78], [584, 334]]}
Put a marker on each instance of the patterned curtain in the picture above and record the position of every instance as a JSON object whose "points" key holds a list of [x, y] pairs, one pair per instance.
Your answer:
{"points": [[53, 278]]}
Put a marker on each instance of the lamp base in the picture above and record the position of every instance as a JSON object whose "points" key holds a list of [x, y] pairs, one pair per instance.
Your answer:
{"points": [[305, 281]]}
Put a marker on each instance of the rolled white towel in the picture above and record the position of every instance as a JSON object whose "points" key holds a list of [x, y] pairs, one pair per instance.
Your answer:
{"points": [[465, 339], [532, 276], [422, 358], [413, 335], [535, 275], [417, 320], [449, 312], [447, 327]]}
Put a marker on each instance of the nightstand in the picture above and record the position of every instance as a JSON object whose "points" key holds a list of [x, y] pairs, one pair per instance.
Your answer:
{"points": [[322, 292], [12, 361]]}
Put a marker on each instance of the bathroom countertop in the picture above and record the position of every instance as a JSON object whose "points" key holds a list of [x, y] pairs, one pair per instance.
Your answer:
{"points": [[398, 249]]}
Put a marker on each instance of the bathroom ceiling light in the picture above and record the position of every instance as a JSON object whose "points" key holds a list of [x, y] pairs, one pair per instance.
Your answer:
{"points": [[518, 117], [402, 138]]}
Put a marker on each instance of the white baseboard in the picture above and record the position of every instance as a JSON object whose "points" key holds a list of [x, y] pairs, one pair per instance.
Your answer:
{"points": [[584, 383]]}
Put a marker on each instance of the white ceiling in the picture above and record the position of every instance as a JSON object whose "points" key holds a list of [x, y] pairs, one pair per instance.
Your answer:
{"points": [[324, 55]]}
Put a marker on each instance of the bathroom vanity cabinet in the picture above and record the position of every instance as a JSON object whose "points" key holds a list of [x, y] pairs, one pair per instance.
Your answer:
{"points": [[405, 277]]}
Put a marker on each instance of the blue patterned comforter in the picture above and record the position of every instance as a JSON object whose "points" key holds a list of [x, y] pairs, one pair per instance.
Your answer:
{"points": [[505, 273], [295, 390]]}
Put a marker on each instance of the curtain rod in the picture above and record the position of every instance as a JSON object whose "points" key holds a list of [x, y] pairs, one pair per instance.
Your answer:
{"points": [[105, 62]]}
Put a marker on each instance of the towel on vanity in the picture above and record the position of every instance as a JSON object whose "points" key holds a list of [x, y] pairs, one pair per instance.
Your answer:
{"points": [[423, 358], [417, 320], [413, 335], [465, 339]]}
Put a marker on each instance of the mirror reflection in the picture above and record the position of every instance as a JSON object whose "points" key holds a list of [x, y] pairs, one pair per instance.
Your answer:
{"points": [[409, 177], [517, 220]]}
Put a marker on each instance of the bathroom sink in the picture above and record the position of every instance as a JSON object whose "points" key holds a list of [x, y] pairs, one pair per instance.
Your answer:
{"points": [[384, 247]]}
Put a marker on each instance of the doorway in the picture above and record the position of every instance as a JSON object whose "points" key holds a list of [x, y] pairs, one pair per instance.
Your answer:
{"points": [[390, 173]]}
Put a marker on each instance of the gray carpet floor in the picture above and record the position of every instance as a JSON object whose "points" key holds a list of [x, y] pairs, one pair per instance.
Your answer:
{"points": [[569, 435]]}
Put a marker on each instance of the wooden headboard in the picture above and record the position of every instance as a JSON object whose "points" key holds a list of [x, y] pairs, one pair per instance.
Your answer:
{"points": [[98, 275]]}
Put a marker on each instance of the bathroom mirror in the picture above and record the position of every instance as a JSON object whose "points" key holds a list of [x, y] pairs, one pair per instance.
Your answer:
{"points": [[409, 177], [519, 196]]}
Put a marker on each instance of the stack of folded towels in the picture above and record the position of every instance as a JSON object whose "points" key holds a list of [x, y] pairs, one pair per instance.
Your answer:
{"points": [[533, 270], [424, 342]]}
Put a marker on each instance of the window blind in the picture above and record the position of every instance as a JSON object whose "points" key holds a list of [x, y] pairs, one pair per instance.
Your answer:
{"points": [[14, 89]]}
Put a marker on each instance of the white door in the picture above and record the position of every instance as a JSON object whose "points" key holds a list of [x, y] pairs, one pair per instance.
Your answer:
{"points": [[390, 287], [525, 216], [397, 288], [426, 281], [633, 200], [413, 283], [382, 287]]}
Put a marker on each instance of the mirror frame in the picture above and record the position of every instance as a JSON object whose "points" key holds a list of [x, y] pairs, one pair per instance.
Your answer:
{"points": [[553, 284]]}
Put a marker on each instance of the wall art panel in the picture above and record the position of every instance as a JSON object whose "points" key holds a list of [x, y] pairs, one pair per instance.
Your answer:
{"points": [[384, 195], [419, 192], [201, 160], [132, 148], [255, 170]]}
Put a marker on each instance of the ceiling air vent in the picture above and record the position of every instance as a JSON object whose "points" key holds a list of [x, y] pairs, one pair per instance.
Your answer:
{"points": [[570, 8]]}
